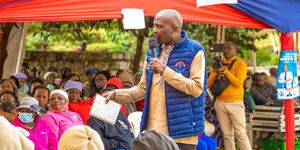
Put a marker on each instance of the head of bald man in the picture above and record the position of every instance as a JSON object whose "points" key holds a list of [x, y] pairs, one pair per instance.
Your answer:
{"points": [[167, 26]]}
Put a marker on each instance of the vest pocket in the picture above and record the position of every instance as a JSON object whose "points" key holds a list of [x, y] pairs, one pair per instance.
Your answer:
{"points": [[191, 113]]}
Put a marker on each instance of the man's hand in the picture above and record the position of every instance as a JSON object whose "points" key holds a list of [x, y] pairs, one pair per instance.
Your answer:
{"points": [[109, 95], [157, 65], [221, 69]]}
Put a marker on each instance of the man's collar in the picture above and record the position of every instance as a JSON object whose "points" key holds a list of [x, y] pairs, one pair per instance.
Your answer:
{"points": [[230, 59], [183, 35]]}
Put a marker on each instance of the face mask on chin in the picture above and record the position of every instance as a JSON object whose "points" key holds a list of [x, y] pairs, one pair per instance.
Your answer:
{"points": [[7, 106], [25, 117]]}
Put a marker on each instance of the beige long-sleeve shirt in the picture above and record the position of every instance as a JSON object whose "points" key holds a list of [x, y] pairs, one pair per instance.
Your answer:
{"points": [[157, 105]]}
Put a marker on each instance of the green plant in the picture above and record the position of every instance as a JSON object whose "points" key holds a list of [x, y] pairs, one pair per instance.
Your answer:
{"points": [[263, 57], [275, 59]]}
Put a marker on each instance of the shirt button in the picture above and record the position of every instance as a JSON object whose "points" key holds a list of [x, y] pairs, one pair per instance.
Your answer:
{"points": [[194, 123]]}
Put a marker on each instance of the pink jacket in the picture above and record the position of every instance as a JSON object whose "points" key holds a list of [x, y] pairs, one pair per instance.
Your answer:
{"points": [[42, 136], [61, 121]]}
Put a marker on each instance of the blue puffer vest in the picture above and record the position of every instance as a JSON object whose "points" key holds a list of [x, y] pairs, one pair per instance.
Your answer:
{"points": [[185, 113]]}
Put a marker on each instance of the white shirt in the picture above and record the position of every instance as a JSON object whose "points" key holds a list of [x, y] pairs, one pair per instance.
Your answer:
{"points": [[286, 78]]}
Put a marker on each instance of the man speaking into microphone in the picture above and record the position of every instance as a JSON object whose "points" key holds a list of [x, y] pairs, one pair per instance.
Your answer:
{"points": [[173, 83]]}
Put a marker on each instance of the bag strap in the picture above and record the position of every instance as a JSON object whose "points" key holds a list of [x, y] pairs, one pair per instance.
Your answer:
{"points": [[229, 67], [231, 64]]}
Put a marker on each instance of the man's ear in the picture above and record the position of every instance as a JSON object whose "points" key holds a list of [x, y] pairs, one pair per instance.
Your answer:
{"points": [[175, 29]]}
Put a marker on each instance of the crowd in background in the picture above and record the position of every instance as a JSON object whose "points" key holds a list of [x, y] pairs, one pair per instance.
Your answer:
{"points": [[26, 88], [47, 107]]}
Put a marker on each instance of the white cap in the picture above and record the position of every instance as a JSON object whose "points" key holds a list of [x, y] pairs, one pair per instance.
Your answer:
{"points": [[49, 73]]}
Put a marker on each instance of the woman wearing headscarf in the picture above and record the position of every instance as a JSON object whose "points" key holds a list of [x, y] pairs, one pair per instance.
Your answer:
{"points": [[23, 87], [49, 80], [59, 117], [40, 133], [76, 104]]}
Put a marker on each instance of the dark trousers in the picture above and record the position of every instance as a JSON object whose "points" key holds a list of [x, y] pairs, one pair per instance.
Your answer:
{"points": [[187, 146]]}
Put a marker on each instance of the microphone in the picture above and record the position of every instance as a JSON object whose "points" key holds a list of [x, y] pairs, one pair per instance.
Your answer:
{"points": [[153, 46]]}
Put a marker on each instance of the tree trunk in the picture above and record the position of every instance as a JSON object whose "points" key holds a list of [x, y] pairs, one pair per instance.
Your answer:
{"points": [[138, 51], [5, 29]]}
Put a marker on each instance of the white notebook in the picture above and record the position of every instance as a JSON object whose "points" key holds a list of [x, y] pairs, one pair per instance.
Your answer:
{"points": [[107, 112]]}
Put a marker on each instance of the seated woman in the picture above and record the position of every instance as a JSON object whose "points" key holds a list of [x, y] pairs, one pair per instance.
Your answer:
{"points": [[23, 87], [8, 85], [8, 103], [11, 85], [35, 82], [41, 93], [40, 133], [59, 117], [76, 104], [96, 85]]}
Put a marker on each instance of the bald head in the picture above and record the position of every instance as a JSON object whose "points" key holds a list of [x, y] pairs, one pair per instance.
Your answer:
{"points": [[173, 15]]}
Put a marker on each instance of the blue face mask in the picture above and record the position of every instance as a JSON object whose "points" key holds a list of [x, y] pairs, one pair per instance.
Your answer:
{"points": [[25, 117]]}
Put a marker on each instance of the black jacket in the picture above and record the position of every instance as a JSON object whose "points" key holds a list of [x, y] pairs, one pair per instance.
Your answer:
{"points": [[116, 136], [262, 95]]}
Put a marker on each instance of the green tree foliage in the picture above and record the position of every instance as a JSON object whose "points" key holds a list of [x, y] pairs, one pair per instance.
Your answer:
{"points": [[275, 59], [243, 37], [109, 35], [99, 35], [263, 57]]}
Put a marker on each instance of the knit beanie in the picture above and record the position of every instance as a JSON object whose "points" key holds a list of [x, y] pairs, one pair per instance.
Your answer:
{"points": [[21, 75], [127, 78], [58, 91], [153, 140], [13, 138], [115, 82], [73, 85], [80, 138]]}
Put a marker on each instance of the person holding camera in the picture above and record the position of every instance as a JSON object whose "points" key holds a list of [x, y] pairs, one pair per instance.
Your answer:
{"points": [[229, 104]]}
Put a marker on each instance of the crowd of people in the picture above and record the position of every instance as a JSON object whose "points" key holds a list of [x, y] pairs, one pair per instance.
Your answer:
{"points": [[46, 109], [183, 107]]}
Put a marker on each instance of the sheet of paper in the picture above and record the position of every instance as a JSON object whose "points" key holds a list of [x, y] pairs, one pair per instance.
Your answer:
{"points": [[133, 18], [107, 112]]}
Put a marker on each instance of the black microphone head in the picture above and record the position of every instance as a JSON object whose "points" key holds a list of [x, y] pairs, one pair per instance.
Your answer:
{"points": [[153, 43]]}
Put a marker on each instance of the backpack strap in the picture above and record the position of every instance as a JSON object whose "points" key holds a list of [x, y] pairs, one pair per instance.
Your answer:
{"points": [[231, 64]]}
